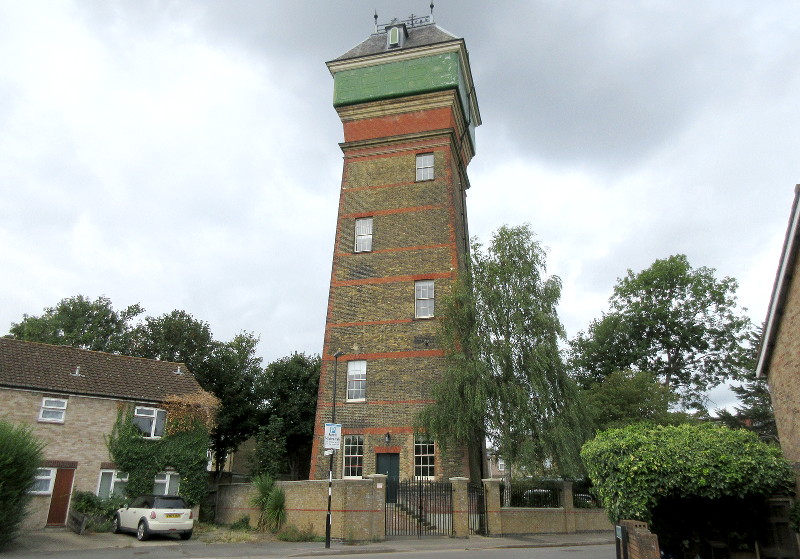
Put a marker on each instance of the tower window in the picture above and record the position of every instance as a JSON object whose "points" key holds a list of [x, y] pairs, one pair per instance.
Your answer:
{"points": [[353, 456], [363, 234], [356, 381], [394, 37], [423, 295], [425, 167], [424, 458]]}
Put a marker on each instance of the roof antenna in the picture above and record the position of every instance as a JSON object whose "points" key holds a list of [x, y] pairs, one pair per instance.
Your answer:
{"points": [[376, 21], [432, 20]]}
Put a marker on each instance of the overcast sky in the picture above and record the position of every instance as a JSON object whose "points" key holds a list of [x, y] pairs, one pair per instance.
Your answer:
{"points": [[184, 155]]}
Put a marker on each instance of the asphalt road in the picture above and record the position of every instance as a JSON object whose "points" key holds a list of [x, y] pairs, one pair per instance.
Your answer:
{"points": [[66, 545]]}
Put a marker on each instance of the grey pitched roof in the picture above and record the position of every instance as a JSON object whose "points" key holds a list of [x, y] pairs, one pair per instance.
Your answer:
{"points": [[51, 368], [417, 37]]}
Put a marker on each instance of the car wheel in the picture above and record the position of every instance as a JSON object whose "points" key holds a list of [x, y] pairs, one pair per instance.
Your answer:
{"points": [[115, 525], [186, 535], [142, 533]]}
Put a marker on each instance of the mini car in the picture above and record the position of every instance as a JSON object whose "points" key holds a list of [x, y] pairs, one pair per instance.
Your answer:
{"points": [[154, 514]]}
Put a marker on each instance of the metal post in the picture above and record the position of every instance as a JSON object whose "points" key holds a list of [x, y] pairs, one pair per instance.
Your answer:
{"points": [[336, 357]]}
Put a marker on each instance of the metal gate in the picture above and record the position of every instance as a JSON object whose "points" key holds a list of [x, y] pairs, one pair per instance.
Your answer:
{"points": [[477, 509], [419, 508]]}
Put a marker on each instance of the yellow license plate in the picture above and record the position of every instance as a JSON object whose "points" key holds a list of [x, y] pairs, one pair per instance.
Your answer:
{"points": [[173, 515]]}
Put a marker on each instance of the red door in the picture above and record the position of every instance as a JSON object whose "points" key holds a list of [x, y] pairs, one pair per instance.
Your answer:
{"points": [[59, 502]]}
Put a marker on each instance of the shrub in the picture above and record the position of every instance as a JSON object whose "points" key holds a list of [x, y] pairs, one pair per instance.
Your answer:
{"points": [[636, 467], [271, 501], [20, 457], [242, 524], [99, 510], [294, 534]]}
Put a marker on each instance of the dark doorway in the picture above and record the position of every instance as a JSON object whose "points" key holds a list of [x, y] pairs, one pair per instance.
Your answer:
{"points": [[388, 464]]}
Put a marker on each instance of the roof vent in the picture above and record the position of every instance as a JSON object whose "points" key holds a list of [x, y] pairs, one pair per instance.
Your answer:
{"points": [[178, 371], [77, 372]]}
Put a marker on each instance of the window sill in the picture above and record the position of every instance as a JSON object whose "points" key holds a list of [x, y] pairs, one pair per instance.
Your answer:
{"points": [[55, 421], [356, 401]]}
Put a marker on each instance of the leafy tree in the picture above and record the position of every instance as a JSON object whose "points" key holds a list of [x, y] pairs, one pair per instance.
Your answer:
{"points": [[755, 414], [270, 456], [635, 467], [288, 395], [502, 333], [80, 322], [678, 322], [626, 397], [176, 336], [20, 457], [230, 374]]}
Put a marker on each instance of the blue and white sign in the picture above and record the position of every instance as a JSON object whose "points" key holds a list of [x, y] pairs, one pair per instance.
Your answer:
{"points": [[333, 435]]}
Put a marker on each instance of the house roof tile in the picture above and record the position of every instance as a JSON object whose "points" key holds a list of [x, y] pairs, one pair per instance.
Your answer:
{"points": [[68, 370]]}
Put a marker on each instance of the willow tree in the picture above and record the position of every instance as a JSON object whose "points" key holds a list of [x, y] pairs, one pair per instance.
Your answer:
{"points": [[506, 380]]}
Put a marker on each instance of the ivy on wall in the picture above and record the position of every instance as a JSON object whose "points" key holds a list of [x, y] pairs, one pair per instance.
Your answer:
{"points": [[183, 448]]}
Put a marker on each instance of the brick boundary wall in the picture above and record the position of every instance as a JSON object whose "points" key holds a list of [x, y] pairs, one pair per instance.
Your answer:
{"points": [[357, 510], [641, 543]]}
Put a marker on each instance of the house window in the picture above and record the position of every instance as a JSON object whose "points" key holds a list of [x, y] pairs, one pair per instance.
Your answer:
{"points": [[353, 455], [53, 410], [167, 483], [150, 421], [423, 299], [425, 167], [356, 380], [501, 465], [43, 482], [424, 460], [111, 483], [363, 234]]}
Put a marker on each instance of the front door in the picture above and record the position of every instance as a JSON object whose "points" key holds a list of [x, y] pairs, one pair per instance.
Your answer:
{"points": [[59, 501], [388, 464]]}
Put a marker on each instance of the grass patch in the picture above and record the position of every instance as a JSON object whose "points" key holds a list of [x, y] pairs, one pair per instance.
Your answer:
{"points": [[292, 533]]}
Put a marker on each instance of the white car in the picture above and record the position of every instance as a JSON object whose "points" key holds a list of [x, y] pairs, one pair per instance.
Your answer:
{"points": [[155, 514]]}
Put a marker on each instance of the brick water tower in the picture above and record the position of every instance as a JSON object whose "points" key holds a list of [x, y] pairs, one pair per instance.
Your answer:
{"points": [[407, 104]]}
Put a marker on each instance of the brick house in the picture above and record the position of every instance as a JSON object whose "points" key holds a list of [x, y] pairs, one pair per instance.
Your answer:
{"points": [[407, 103], [70, 398], [779, 354]]}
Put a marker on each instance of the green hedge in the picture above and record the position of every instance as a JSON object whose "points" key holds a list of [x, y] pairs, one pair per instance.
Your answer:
{"points": [[633, 468], [20, 457]]}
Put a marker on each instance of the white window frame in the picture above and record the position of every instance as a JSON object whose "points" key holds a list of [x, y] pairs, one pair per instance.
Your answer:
{"points": [[53, 406], [356, 381], [363, 233], [424, 299], [353, 457], [138, 411], [501, 464], [424, 457], [167, 479], [393, 37], [425, 163], [117, 478], [44, 474]]}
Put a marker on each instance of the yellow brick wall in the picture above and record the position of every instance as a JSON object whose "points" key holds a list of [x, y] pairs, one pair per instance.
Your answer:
{"points": [[81, 438], [784, 375]]}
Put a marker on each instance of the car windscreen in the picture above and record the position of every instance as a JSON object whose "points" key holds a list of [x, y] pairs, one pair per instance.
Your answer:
{"points": [[169, 503]]}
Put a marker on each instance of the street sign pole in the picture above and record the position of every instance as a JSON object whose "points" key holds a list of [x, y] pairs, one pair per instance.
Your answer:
{"points": [[336, 357]]}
